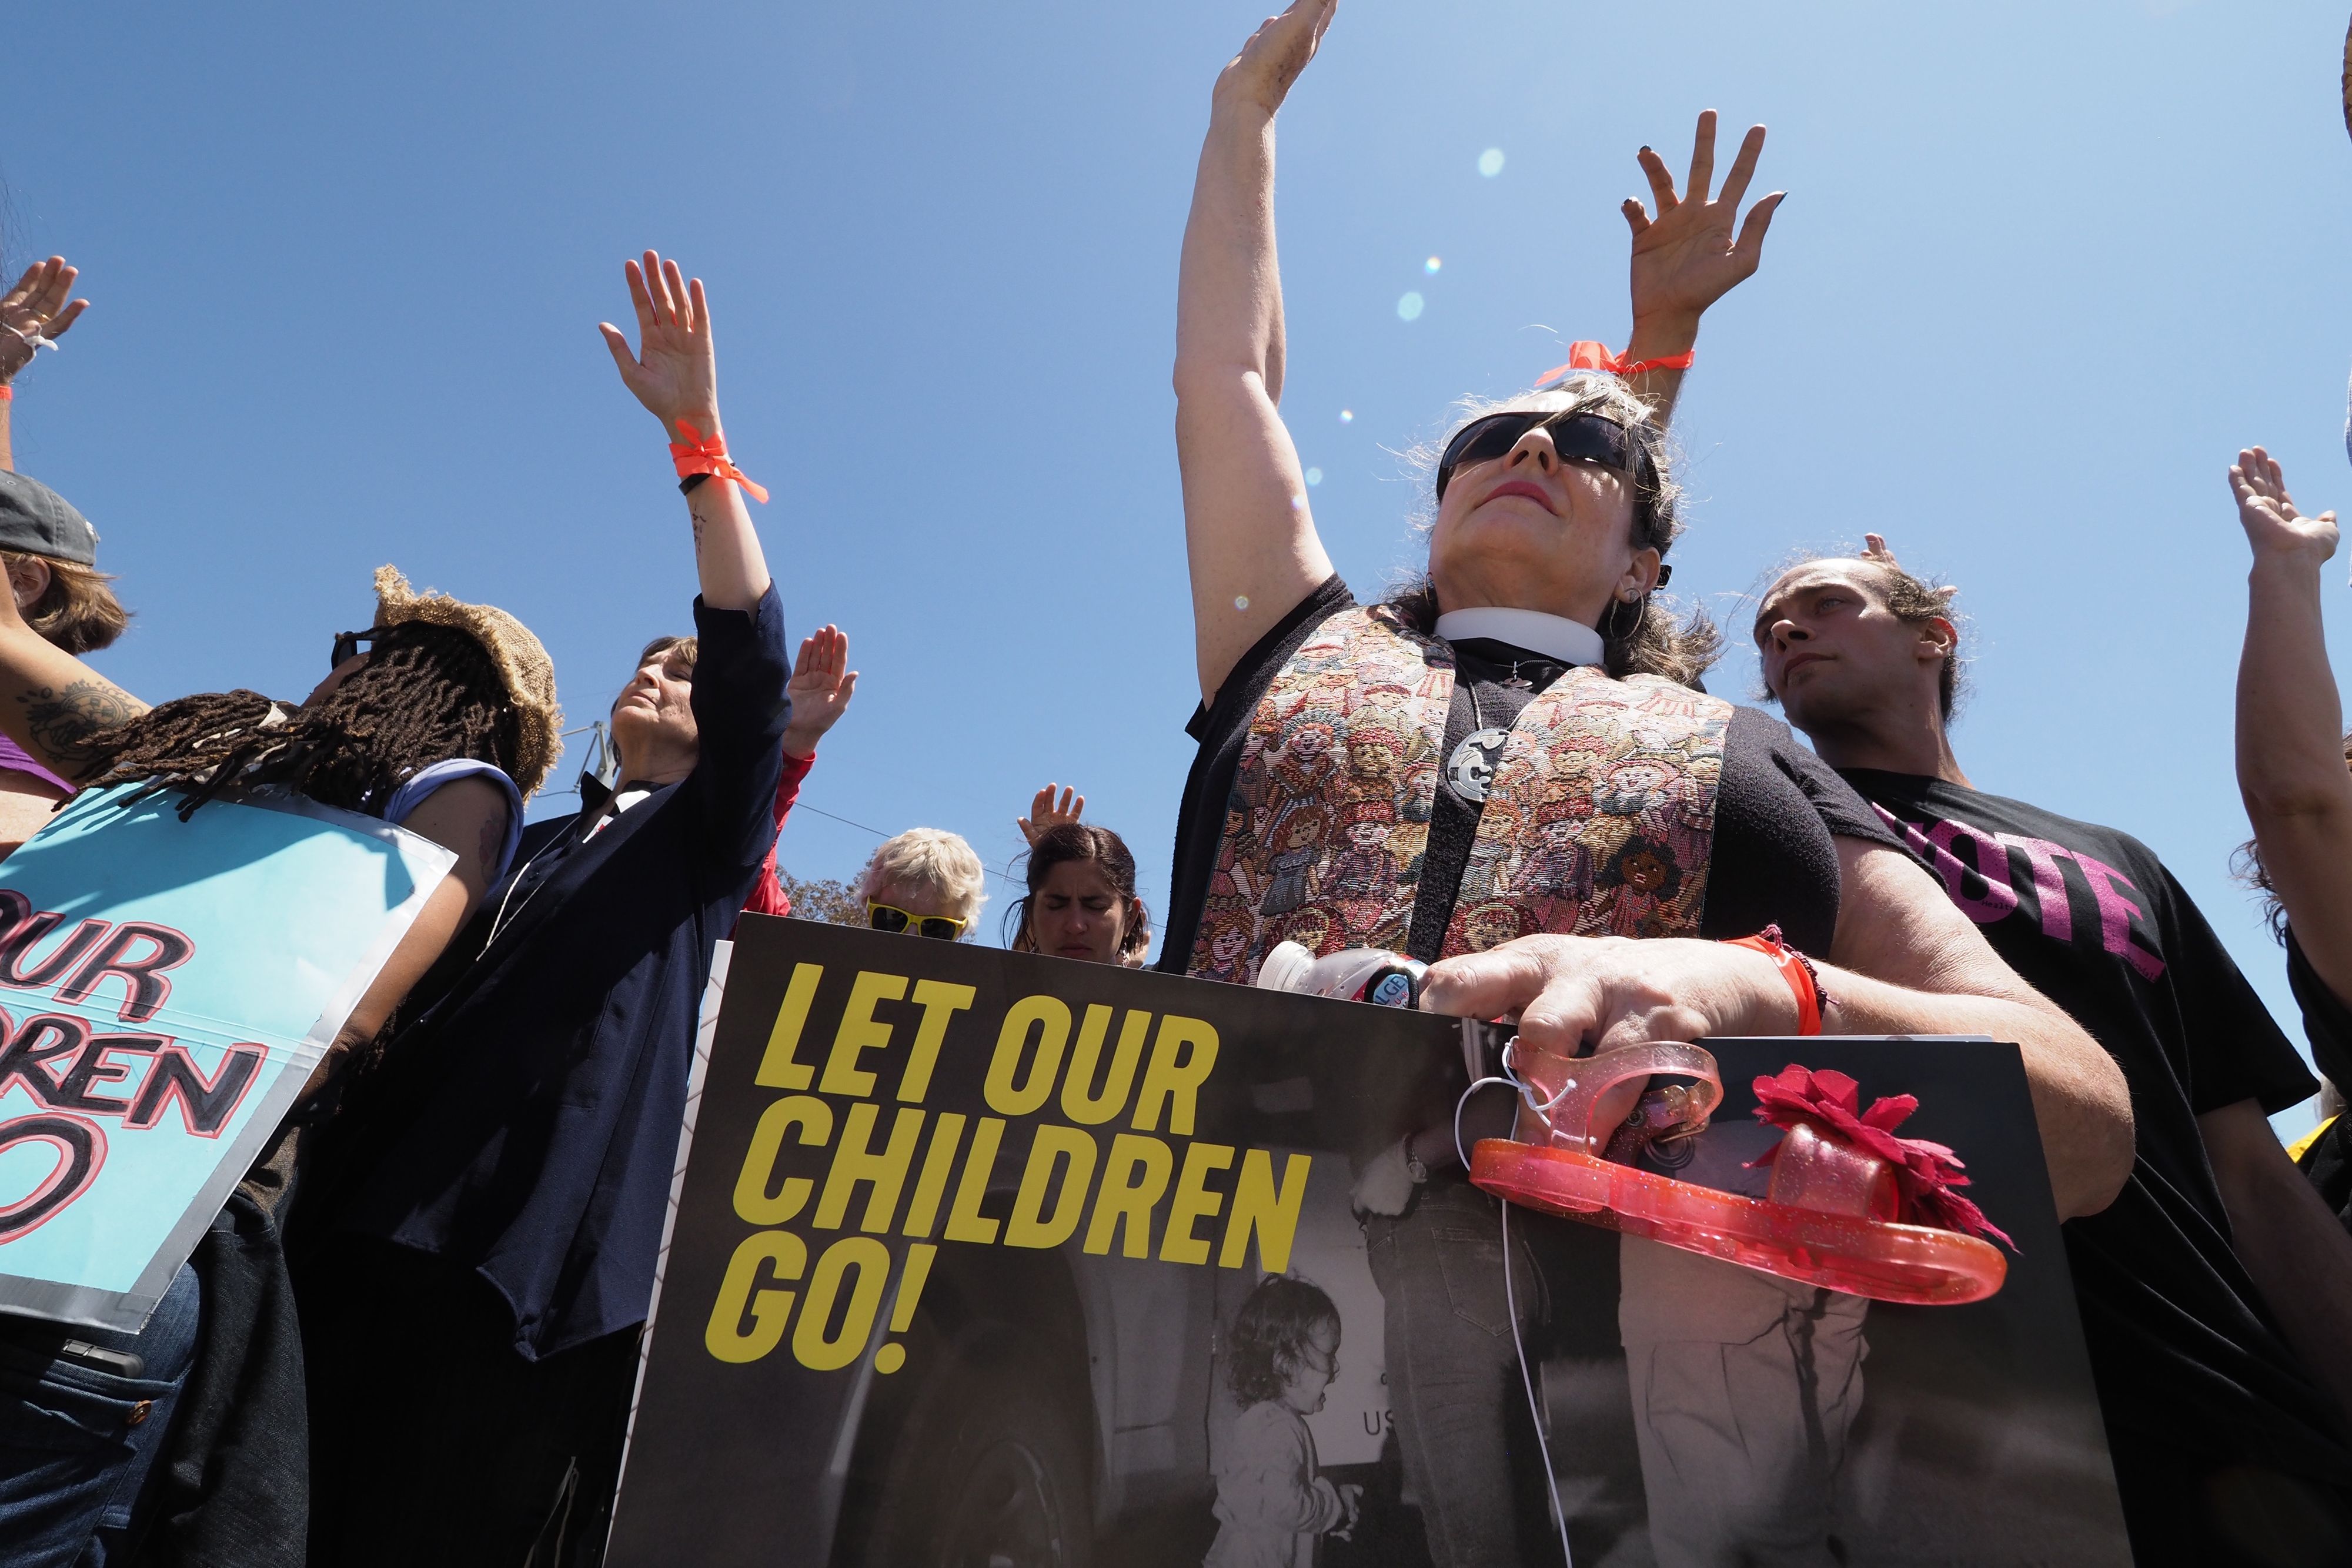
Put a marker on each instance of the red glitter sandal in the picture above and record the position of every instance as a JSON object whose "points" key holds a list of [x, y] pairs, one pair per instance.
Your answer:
{"points": [[1850, 1206]]}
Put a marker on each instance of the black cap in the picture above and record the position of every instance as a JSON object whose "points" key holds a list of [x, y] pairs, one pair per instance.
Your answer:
{"points": [[36, 520]]}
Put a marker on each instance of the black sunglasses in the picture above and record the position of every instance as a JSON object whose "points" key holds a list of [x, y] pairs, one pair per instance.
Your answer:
{"points": [[348, 644], [1578, 437]]}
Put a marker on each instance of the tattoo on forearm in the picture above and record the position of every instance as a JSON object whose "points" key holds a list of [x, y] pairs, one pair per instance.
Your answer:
{"points": [[64, 723], [695, 512]]}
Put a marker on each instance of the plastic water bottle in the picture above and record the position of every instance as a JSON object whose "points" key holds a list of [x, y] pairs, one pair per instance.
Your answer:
{"points": [[1371, 975]]}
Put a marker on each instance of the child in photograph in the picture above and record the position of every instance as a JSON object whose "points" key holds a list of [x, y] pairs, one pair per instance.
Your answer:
{"points": [[1284, 1352]]}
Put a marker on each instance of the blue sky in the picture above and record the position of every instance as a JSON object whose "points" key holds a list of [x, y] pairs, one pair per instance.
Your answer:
{"points": [[2042, 270]]}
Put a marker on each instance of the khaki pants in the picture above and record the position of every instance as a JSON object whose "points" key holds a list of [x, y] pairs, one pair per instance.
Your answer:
{"points": [[1745, 1385]]}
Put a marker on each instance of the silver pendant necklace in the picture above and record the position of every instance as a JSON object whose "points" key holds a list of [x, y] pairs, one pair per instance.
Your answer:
{"points": [[1471, 770]]}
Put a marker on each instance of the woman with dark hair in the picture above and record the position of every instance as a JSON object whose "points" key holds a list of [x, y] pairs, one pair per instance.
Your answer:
{"points": [[437, 719], [1081, 902], [1502, 733]]}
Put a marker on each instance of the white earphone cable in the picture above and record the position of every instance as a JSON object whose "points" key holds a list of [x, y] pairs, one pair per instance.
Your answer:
{"points": [[1510, 1079]]}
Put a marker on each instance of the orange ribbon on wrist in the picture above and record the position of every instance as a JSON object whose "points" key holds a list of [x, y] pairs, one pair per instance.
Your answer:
{"points": [[1795, 971], [703, 453], [1591, 356]]}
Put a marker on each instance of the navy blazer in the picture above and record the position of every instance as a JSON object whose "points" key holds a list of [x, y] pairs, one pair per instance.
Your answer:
{"points": [[527, 1120]]}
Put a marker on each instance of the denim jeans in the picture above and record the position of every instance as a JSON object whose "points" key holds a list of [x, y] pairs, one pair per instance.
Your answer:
{"points": [[1453, 1369], [78, 1443]]}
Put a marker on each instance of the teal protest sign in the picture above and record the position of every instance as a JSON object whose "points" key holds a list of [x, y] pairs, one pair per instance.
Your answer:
{"points": [[166, 988]]}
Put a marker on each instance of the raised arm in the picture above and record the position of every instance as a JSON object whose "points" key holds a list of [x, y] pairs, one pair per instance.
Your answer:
{"points": [[2291, 767], [36, 311], [1687, 258], [1248, 535], [822, 685], [674, 373]]}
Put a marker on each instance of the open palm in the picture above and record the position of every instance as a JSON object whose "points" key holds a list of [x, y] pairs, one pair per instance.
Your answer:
{"points": [[675, 371], [2267, 512], [1045, 811], [39, 307], [821, 686], [1687, 258]]}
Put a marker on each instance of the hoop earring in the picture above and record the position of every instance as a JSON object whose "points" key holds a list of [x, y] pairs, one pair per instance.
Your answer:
{"points": [[1610, 632]]}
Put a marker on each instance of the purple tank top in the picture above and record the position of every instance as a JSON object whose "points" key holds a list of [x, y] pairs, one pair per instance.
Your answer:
{"points": [[14, 756]]}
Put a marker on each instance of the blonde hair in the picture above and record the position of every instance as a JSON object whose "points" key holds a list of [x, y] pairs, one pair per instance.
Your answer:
{"points": [[1653, 642], [933, 859]]}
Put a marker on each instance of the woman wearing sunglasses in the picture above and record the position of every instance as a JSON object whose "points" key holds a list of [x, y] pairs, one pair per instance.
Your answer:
{"points": [[1514, 753], [924, 883]]}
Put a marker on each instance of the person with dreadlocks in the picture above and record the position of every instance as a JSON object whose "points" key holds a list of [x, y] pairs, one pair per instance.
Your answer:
{"points": [[437, 719], [476, 1268]]}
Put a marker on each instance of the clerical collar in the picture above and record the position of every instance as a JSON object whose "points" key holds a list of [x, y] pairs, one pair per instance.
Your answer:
{"points": [[1570, 642], [595, 792]]}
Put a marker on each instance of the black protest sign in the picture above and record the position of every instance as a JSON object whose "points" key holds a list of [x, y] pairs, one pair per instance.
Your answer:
{"points": [[987, 1257]]}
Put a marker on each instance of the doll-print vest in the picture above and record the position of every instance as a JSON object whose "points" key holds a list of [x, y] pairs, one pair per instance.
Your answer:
{"points": [[1598, 818]]}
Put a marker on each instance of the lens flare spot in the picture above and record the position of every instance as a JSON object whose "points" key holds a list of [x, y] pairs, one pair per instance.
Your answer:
{"points": [[1409, 308], [1346, 416], [1490, 161], [1241, 601], [1314, 476], [1431, 265], [1298, 502]]}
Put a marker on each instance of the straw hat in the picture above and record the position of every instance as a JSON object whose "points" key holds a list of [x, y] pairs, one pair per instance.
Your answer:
{"points": [[529, 674]]}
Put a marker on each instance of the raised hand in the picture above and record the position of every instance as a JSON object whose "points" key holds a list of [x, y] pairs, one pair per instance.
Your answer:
{"points": [[820, 689], [1045, 812], [39, 308], [2267, 512], [1685, 257], [1261, 75], [675, 371]]}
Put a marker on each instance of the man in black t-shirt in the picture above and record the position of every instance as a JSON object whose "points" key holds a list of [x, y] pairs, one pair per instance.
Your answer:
{"points": [[2223, 1382]]}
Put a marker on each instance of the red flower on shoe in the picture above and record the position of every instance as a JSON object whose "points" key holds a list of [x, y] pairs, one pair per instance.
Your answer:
{"points": [[1925, 1173]]}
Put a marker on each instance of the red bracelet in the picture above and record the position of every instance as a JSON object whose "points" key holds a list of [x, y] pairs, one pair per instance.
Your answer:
{"points": [[7, 392], [1590, 356], [1795, 969], [703, 453]]}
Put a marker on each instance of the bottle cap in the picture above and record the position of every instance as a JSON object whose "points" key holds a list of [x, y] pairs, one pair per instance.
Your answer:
{"points": [[1285, 969]]}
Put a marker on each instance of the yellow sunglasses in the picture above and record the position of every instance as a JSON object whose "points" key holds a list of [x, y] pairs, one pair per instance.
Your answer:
{"points": [[890, 917]]}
